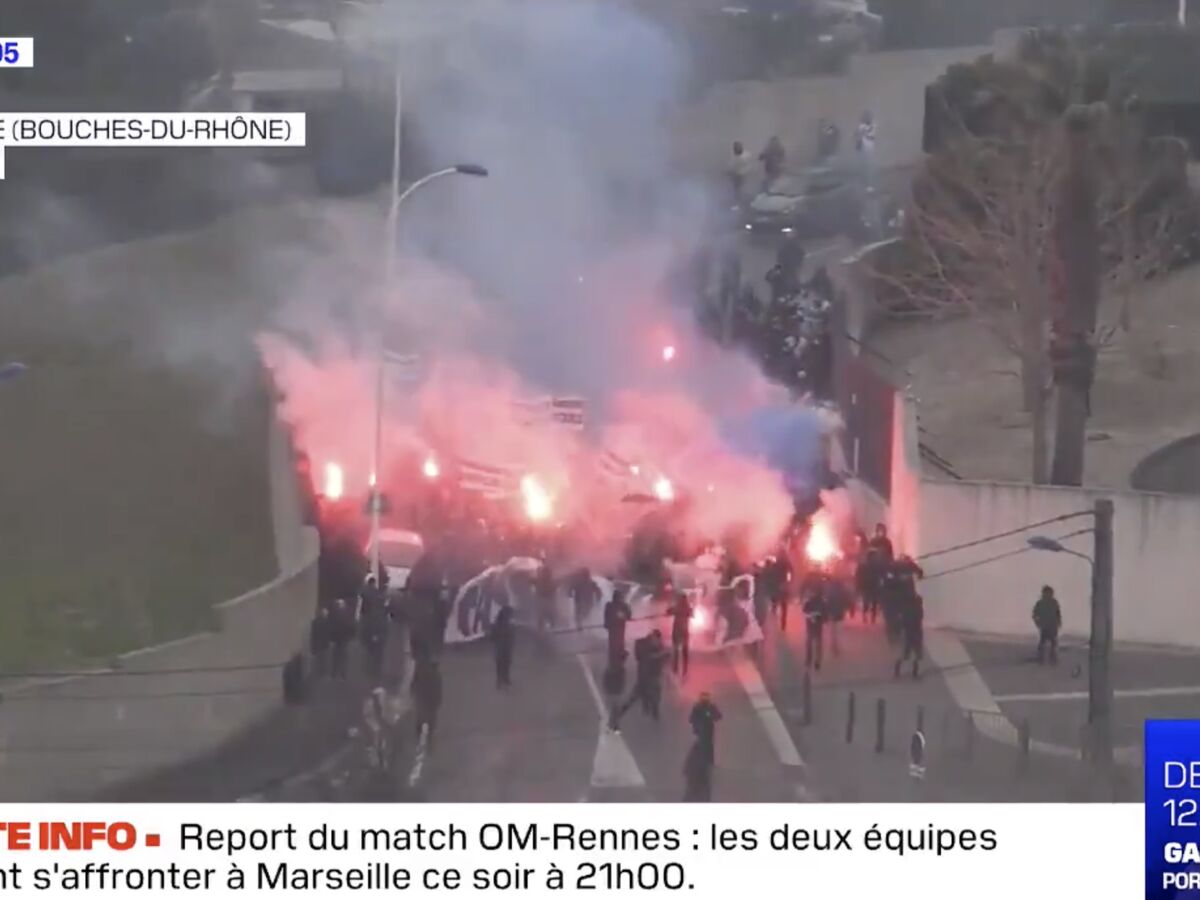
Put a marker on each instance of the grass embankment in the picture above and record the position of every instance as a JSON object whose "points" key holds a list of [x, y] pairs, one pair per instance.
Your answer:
{"points": [[134, 488]]}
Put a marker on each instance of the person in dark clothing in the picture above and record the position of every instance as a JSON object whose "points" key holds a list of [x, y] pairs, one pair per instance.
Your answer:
{"points": [[697, 775], [882, 544], [681, 616], [1047, 616], [772, 159], [816, 613], [779, 575], [341, 633], [585, 595], [790, 258], [545, 588], [320, 638], [369, 598], [374, 628], [829, 139], [899, 588], [616, 616], [703, 719], [427, 697], [868, 576], [837, 597], [650, 656], [912, 627], [503, 638]]}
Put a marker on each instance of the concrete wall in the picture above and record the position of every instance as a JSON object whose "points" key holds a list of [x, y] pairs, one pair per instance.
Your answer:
{"points": [[67, 738], [1156, 564], [890, 85], [1157, 536], [991, 587]]}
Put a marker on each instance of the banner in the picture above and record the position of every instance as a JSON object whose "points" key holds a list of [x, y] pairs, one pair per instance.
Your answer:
{"points": [[566, 412], [576, 608], [724, 615]]}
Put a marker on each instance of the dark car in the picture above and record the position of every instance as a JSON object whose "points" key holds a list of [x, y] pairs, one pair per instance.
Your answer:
{"points": [[821, 202]]}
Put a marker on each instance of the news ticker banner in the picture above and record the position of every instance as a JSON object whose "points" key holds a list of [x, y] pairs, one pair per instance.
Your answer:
{"points": [[985, 852], [1172, 753]]}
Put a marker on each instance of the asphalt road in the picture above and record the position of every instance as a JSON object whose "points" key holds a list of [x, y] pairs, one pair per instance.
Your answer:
{"points": [[1147, 684], [546, 740]]}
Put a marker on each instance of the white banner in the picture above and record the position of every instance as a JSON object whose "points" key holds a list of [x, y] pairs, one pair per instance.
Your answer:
{"points": [[724, 616], [932, 852]]}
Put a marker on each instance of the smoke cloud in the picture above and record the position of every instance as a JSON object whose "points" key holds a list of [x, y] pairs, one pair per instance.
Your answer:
{"points": [[560, 273]]}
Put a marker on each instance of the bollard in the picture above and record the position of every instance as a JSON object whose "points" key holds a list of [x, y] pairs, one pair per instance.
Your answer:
{"points": [[1023, 746], [850, 719], [880, 722], [969, 747], [808, 708]]}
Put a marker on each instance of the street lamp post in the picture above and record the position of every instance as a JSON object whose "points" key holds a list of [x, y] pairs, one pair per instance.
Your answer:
{"points": [[391, 258], [1100, 689]]}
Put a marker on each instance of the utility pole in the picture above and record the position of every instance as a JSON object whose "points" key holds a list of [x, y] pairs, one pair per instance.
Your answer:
{"points": [[1183, 12], [1076, 259], [1100, 689]]}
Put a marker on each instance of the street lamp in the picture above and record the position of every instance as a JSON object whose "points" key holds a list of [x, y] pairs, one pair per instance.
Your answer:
{"points": [[393, 226], [1100, 689], [1050, 545]]}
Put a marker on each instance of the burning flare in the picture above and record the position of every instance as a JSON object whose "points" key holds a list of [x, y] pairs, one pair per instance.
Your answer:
{"points": [[430, 469], [668, 353], [538, 506], [335, 482], [822, 545], [664, 490]]}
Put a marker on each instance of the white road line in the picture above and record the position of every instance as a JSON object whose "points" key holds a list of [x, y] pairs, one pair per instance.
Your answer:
{"points": [[613, 764], [1182, 691], [418, 767], [764, 707]]}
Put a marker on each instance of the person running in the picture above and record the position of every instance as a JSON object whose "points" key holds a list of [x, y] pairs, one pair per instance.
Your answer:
{"points": [[650, 655], [1047, 616], [503, 638], [681, 617]]}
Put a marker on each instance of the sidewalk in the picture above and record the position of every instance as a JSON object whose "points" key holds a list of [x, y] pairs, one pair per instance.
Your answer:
{"points": [[266, 759], [963, 764]]}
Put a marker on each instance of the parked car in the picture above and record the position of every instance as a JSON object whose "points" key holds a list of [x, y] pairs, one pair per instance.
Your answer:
{"points": [[821, 202]]}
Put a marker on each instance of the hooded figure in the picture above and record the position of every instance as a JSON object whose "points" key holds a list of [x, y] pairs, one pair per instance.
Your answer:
{"points": [[681, 618], [1047, 616]]}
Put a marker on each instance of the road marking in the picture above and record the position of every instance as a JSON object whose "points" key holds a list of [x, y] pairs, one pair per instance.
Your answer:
{"points": [[764, 707], [1182, 691], [418, 767], [613, 764]]}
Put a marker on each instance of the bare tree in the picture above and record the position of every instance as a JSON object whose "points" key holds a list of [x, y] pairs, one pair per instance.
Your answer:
{"points": [[976, 242]]}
